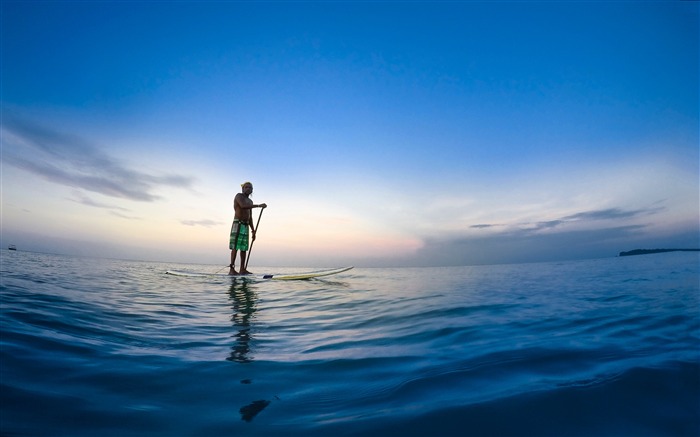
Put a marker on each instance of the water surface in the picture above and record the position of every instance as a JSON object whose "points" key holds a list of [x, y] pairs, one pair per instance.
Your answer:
{"points": [[114, 348]]}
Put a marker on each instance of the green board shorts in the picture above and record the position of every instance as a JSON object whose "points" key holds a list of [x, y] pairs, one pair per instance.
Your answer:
{"points": [[239, 236]]}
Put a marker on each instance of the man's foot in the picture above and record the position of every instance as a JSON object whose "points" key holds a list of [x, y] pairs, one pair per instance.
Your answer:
{"points": [[232, 271], [245, 272]]}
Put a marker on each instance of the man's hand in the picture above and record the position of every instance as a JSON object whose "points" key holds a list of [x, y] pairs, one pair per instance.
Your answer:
{"points": [[263, 205]]}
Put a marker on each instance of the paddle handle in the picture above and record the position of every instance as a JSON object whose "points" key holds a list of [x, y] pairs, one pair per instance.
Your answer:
{"points": [[253, 242]]}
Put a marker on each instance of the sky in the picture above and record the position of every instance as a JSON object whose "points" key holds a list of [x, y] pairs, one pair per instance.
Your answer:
{"points": [[378, 133]]}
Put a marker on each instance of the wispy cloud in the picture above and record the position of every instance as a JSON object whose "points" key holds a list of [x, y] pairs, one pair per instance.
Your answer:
{"points": [[70, 160], [124, 216], [484, 226], [82, 199], [581, 219], [205, 223], [524, 245], [611, 214], [114, 210]]}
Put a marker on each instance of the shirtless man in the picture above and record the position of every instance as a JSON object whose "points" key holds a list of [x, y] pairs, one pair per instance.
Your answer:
{"points": [[242, 205]]}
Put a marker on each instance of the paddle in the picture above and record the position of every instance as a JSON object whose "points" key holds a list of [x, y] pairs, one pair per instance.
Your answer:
{"points": [[250, 249]]}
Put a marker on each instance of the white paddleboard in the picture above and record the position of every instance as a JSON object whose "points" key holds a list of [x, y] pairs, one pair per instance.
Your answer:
{"points": [[280, 277]]}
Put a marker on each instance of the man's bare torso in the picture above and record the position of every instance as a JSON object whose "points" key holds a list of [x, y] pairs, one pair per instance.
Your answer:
{"points": [[240, 213]]}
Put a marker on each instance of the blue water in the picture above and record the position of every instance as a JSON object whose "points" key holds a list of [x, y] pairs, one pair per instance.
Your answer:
{"points": [[606, 347]]}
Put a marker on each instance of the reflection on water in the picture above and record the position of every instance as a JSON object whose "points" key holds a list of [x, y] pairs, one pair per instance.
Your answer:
{"points": [[243, 301]]}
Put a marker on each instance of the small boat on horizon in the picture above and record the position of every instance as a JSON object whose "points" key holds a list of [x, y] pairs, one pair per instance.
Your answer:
{"points": [[12, 247]]}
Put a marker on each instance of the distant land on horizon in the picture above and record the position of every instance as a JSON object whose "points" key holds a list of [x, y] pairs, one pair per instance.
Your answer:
{"points": [[650, 251]]}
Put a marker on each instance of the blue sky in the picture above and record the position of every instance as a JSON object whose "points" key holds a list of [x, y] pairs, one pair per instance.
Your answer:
{"points": [[379, 133]]}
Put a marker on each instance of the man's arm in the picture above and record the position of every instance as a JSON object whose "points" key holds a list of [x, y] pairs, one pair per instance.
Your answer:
{"points": [[252, 228], [244, 205]]}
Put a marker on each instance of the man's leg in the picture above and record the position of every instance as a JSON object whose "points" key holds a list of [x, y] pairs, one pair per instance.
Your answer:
{"points": [[231, 270], [243, 257]]}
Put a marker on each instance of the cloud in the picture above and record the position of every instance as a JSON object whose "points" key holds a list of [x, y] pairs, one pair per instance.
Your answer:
{"points": [[581, 220], [114, 210], [75, 162], [124, 216], [526, 246], [205, 223], [586, 234], [87, 201], [611, 214], [484, 226]]}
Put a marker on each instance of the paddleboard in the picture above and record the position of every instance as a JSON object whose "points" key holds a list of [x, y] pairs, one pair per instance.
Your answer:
{"points": [[280, 277]]}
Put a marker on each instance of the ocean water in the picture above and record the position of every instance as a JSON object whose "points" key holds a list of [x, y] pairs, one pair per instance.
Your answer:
{"points": [[98, 347]]}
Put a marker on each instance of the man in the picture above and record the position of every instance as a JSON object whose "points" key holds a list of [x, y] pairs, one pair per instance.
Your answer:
{"points": [[242, 205]]}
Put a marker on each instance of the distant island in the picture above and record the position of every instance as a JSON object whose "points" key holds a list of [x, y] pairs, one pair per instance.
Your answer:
{"points": [[648, 251]]}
